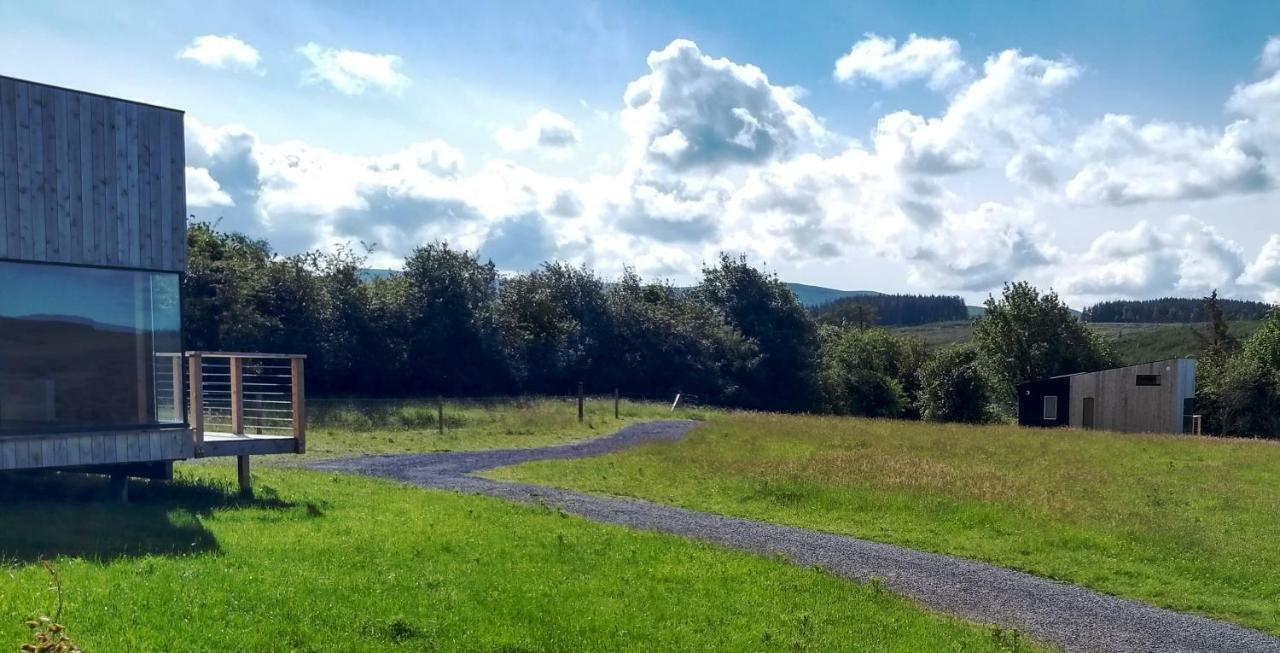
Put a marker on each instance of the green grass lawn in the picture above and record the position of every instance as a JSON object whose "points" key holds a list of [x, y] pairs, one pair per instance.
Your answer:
{"points": [[353, 427], [324, 562], [1187, 523]]}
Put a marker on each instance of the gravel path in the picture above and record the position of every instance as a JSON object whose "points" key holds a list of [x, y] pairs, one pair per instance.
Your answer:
{"points": [[1071, 617]]}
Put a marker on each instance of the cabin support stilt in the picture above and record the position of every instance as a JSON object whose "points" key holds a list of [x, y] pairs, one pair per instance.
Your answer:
{"points": [[243, 475]]}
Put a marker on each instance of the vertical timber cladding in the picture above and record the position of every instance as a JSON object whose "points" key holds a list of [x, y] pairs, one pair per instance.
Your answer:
{"points": [[1121, 404], [90, 180]]}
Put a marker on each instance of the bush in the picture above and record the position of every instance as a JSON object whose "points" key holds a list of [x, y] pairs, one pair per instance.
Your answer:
{"points": [[870, 372], [954, 387], [1239, 393]]}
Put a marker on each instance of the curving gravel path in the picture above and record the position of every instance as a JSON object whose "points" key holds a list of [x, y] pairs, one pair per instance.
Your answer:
{"points": [[1071, 617]]}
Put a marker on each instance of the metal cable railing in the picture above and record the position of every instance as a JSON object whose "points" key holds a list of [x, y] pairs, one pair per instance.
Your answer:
{"points": [[246, 394]]}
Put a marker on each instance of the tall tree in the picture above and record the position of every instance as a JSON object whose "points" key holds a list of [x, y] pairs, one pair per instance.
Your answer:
{"points": [[1025, 335], [1216, 339], [768, 314], [454, 345], [558, 329]]}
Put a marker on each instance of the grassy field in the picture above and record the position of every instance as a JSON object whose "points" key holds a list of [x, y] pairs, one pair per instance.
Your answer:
{"points": [[1133, 343], [1186, 523], [323, 562], [351, 427]]}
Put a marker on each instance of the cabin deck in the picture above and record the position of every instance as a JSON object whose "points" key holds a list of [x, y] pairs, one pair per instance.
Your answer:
{"points": [[231, 444]]}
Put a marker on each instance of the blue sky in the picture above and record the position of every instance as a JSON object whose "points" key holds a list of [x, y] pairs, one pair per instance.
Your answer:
{"points": [[1106, 149]]}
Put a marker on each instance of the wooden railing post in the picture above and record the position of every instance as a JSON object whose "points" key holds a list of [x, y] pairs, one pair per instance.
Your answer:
{"points": [[580, 402], [299, 403], [177, 387], [195, 413], [236, 366]]}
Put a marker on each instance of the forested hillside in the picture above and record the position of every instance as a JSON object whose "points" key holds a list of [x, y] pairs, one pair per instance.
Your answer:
{"points": [[892, 310], [1170, 310]]}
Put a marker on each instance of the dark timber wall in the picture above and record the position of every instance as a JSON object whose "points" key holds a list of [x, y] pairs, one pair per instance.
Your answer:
{"points": [[90, 180]]}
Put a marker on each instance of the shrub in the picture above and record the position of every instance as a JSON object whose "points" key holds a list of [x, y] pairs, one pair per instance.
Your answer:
{"points": [[954, 387]]}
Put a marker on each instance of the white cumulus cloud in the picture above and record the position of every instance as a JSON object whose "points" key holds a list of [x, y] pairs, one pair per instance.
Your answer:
{"points": [[883, 60], [691, 111], [353, 72], [545, 129], [222, 52]]}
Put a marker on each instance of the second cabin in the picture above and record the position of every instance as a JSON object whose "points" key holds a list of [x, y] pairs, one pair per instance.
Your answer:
{"points": [[1148, 398]]}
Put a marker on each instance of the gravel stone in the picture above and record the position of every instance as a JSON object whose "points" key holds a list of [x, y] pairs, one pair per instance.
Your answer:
{"points": [[1068, 616]]}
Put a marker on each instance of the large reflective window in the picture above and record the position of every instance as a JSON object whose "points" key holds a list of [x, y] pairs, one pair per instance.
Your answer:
{"points": [[84, 348]]}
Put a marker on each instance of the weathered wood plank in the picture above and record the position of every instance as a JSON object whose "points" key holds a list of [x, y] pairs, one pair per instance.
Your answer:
{"points": [[60, 233], [86, 180], [71, 162], [9, 125], [91, 180], [49, 151], [8, 454], [100, 209], [111, 145], [132, 188], [178, 171], [8, 172], [164, 132], [33, 219]]}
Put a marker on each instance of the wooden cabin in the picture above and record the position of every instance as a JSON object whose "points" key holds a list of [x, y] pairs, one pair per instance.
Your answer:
{"points": [[93, 375], [1148, 398]]}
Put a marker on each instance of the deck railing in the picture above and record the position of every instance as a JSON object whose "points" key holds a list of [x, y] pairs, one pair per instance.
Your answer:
{"points": [[246, 394]]}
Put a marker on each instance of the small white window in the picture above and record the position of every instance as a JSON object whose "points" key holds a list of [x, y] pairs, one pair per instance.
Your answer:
{"points": [[1050, 408]]}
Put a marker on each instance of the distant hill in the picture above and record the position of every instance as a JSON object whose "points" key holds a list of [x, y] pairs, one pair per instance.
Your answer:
{"points": [[812, 296]]}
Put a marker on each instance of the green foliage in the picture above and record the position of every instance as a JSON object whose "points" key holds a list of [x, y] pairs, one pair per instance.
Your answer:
{"points": [[891, 310], [668, 342], [870, 372], [1168, 310], [1026, 336], [954, 386], [1238, 390], [558, 327], [768, 315], [1216, 338], [451, 331]]}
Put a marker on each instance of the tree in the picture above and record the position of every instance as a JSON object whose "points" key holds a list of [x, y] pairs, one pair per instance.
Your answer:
{"points": [[870, 372], [1239, 392], [767, 314], [849, 314], [1025, 336], [558, 329], [1216, 340], [669, 342], [453, 340], [954, 386], [224, 290]]}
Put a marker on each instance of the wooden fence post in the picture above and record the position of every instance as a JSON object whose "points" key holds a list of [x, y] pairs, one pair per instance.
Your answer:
{"points": [[615, 403], [580, 399], [440, 414]]}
